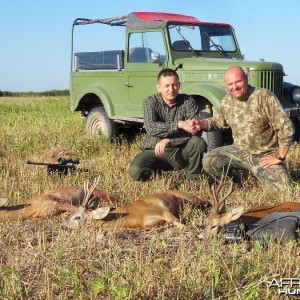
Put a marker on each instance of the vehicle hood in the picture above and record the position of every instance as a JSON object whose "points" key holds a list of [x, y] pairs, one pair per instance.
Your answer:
{"points": [[217, 64]]}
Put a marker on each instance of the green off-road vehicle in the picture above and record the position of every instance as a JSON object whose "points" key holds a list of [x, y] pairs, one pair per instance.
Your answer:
{"points": [[108, 86]]}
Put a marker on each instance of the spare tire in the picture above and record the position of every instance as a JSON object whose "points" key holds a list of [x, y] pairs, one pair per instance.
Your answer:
{"points": [[213, 139]]}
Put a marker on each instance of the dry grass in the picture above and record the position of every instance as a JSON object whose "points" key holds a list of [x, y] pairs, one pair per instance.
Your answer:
{"points": [[40, 260]]}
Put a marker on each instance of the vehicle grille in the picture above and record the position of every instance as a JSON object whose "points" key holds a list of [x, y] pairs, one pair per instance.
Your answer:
{"points": [[272, 80]]}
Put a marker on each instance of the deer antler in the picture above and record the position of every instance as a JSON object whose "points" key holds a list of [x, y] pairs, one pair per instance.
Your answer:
{"points": [[215, 193], [88, 190]]}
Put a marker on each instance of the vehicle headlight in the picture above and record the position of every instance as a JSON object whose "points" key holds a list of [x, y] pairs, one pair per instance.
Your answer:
{"points": [[295, 94], [291, 92]]}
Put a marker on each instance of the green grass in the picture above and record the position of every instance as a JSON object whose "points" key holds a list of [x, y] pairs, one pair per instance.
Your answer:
{"points": [[40, 260]]}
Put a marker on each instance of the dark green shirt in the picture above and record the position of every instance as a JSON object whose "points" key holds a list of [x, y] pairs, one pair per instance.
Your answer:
{"points": [[161, 121]]}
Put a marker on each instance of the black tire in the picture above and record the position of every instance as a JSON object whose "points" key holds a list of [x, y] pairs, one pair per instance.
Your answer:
{"points": [[296, 124], [213, 139], [97, 122]]}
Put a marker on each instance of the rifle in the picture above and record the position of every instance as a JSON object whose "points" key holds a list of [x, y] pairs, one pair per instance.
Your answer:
{"points": [[62, 167]]}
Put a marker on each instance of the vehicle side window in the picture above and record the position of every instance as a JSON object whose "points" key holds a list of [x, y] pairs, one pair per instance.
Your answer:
{"points": [[143, 44]]}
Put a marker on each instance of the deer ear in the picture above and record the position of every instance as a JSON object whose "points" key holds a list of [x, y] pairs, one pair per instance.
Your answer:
{"points": [[100, 213], [3, 201], [237, 212], [232, 215]]}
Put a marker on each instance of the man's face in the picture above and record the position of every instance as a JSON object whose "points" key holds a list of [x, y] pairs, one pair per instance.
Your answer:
{"points": [[237, 84], [168, 87]]}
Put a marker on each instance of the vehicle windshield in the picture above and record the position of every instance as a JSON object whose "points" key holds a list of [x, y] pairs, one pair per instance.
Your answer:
{"points": [[205, 38]]}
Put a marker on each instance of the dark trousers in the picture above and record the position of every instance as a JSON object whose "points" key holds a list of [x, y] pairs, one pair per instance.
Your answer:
{"points": [[188, 155]]}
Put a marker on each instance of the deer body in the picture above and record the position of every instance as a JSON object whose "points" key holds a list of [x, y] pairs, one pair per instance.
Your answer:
{"points": [[147, 212], [255, 214], [139, 215], [49, 204]]}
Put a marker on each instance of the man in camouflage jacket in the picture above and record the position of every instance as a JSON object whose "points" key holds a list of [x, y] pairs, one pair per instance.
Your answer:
{"points": [[262, 133]]}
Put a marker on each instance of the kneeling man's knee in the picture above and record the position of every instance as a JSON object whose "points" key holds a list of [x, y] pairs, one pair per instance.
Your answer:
{"points": [[138, 172], [199, 143]]}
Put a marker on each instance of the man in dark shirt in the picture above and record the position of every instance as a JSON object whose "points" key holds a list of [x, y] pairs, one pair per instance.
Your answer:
{"points": [[173, 140]]}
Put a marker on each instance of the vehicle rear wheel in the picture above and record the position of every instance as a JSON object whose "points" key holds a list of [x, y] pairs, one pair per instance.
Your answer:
{"points": [[97, 122], [213, 139]]}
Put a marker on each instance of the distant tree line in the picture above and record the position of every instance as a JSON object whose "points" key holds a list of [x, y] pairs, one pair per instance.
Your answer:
{"points": [[38, 94]]}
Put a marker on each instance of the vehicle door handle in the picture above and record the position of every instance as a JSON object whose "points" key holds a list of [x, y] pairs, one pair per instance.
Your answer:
{"points": [[127, 84]]}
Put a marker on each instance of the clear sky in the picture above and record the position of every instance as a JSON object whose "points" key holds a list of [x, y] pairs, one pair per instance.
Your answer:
{"points": [[36, 35]]}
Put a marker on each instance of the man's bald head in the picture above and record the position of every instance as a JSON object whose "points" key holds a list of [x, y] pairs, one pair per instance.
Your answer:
{"points": [[236, 82]]}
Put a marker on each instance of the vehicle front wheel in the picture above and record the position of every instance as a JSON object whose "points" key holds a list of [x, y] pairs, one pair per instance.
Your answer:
{"points": [[97, 122]]}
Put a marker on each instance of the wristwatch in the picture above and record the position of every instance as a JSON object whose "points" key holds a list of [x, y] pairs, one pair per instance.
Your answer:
{"points": [[280, 158]]}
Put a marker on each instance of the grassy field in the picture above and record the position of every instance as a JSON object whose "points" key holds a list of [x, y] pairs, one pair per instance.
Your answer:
{"points": [[41, 260]]}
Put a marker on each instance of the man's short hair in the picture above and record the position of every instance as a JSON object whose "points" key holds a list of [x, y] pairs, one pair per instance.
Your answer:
{"points": [[166, 73]]}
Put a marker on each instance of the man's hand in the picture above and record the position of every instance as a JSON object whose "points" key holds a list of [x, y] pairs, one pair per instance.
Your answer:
{"points": [[192, 126], [269, 161], [272, 160], [160, 147]]}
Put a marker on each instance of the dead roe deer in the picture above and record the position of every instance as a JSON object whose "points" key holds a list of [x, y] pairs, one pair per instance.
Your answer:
{"points": [[52, 203], [147, 212], [218, 218]]}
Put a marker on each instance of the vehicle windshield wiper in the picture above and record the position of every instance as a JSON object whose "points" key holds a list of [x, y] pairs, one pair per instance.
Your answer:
{"points": [[185, 40], [214, 44]]}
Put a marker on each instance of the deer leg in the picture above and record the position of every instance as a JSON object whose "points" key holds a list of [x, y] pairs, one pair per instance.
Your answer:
{"points": [[156, 219], [171, 219]]}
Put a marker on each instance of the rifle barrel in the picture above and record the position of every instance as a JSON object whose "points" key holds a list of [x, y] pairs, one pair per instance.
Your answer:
{"points": [[50, 164]]}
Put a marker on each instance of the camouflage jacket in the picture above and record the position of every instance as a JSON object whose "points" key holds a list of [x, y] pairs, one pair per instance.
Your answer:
{"points": [[259, 124]]}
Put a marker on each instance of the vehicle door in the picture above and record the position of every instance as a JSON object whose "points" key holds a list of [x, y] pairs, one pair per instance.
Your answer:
{"points": [[146, 57]]}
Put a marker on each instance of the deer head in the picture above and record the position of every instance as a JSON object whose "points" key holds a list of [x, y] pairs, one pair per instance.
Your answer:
{"points": [[218, 217], [82, 214]]}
